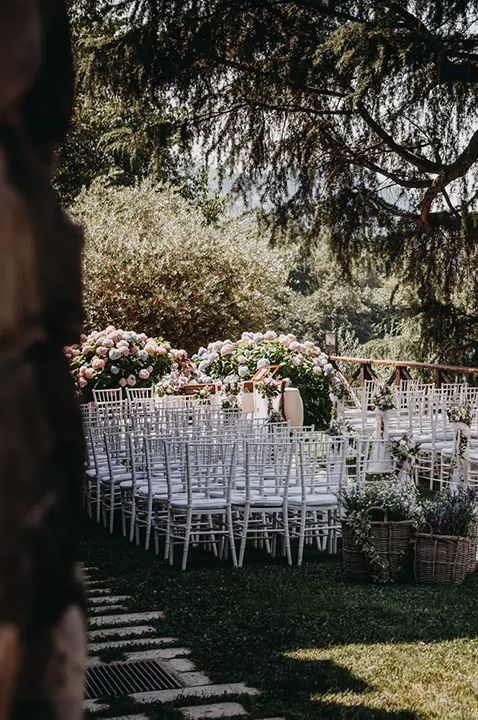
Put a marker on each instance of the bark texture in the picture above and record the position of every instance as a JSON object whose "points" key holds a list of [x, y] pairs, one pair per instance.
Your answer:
{"points": [[42, 629]]}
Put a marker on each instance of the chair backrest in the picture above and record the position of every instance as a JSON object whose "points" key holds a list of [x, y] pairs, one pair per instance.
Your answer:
{"points": [[320, 465], [268, 466], [107, 396]]}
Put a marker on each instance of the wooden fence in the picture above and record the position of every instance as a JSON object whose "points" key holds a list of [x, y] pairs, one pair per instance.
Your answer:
{"points": [[363, 369]]}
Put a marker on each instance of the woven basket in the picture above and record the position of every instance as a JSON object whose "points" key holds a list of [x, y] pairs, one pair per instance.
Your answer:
{"points": [[443, 559], [390, 539]]}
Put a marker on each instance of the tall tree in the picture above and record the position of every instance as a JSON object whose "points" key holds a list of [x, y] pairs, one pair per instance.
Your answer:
{"points": [[354, 116]]}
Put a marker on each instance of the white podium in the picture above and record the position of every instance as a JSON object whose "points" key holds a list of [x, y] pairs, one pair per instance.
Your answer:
{"points": [[293, 407]]}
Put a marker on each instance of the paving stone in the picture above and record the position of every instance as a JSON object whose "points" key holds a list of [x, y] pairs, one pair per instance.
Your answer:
{"points": [[104, 609], [150, 654], [192, 679], [141, 642], [181, 665], [218, 710], [130, 717], [166, 696], [95, 592], [125, 632], [110, 600], [123, 619]]}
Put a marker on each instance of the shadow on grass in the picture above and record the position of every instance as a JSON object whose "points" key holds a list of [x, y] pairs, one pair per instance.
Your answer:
{"points": [[241, 624]]}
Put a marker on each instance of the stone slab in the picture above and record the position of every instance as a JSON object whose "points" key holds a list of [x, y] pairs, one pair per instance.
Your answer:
{"points": [[218, 710], [125, 632], [110, 621], [140, 642], [166, 696]]}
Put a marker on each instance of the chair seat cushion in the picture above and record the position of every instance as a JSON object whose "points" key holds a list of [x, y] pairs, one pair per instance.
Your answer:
{"points": [[201, 504], [317, 500], [258, 501]]}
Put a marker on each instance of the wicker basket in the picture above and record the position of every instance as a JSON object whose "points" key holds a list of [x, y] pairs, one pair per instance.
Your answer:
{"points": [[390, 539], [443, 559]]}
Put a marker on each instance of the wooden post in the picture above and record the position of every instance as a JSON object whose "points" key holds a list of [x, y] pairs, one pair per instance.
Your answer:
{"points": [[42, 625]]}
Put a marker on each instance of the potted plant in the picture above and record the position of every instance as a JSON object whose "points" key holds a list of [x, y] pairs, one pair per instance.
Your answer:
{"points": [[379, 521], [446, 547]]}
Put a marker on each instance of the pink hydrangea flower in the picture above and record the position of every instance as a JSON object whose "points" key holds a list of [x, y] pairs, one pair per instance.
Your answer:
{"points": [[89, 373], [123, 382], [297, 360], [131, 380], [97, 363], [82, 382], [144, 374], [102, 351]]}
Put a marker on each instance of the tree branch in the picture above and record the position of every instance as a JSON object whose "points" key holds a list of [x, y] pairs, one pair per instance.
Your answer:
{"points": [[420, 162]]}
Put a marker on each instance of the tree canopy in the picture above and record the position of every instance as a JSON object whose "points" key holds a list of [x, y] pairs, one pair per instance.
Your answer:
{"points": [[353, 117]]}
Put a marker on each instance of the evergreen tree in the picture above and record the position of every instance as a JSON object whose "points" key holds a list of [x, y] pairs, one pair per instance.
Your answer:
{"points": [[353, 117]]}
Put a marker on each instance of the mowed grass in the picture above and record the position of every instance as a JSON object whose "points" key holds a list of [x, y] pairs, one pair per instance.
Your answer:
{"points": [[314, 645]]}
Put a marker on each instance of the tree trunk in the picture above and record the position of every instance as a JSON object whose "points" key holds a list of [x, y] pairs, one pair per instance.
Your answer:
{"points": [[42, 626]]}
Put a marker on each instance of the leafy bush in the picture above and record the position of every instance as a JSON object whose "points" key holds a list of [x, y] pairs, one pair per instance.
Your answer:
{"points": [[152, 261], [452, 512]]}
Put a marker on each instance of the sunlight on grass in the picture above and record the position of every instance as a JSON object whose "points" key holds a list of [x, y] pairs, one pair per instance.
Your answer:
{"points": [[435, 681]]}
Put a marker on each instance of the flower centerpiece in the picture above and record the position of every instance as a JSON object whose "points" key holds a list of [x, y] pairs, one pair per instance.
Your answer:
{"points": [[382, 402], [445, 547], [229, 392], [304, 364], [112, 358], [379, 520], [460, 415], [339, 390], [269, 388], [404, 451]]}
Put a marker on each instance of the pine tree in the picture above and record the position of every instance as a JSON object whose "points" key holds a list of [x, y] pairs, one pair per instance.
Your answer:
{"points": [[357, 118]]}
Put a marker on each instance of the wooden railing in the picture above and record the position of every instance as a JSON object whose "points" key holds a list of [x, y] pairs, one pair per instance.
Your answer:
{"points": [[401, 370]]}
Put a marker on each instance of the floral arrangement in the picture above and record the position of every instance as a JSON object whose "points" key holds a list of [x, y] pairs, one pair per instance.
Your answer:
{"points": [[460, 413], [340, 426], [338, 388], [303, 364], [403, 450], [365, 503], [452, 512], [269, 389], [112, 358], [384, 399], [229, 391]]}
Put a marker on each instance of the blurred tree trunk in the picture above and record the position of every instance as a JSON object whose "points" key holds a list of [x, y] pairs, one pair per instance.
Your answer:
{"points": [[42, 627]]}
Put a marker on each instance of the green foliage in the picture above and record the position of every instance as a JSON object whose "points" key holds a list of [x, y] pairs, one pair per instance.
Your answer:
{"points": [[452, 512], [388, 499], [152, 261], [356, 120]]}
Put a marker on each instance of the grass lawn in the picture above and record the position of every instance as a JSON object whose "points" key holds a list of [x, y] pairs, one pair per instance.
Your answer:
{"points": [[315, 646]]}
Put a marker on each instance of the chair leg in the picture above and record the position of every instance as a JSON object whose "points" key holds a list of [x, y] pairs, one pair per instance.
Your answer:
{"points": [[245, 529], [301, 535], [232, 544], [112, 508], [187, 538], [286, 548]]}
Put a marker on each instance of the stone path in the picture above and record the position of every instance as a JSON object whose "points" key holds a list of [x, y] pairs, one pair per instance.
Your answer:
{"points": [[117, 635]]}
